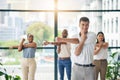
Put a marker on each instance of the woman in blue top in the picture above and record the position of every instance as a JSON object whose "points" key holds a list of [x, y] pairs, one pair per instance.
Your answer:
{"points": [[28, 61]]}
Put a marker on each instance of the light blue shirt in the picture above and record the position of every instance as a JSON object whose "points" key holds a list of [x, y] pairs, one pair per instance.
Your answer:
{"points": [[29, 52]]}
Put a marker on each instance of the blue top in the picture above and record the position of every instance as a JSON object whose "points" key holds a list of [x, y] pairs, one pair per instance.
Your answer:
{"points": [[29, 52]]}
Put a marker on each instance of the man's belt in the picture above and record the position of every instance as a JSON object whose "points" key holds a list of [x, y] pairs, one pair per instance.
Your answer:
{"points": [[85, 65], [63, 58]]}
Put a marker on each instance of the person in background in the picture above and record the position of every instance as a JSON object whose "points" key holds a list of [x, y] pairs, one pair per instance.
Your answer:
{"points": [[82, 69], [100, 56], [28, 62], [64, 53]]}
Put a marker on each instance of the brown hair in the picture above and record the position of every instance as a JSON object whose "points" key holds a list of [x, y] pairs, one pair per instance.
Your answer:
{"points": [[84, 19]]}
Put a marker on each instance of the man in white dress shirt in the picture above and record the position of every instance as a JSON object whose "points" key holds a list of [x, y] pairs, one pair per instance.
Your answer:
{"points": [[83, 69]]}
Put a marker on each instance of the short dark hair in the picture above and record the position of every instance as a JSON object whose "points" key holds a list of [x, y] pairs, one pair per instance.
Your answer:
{"points": [[86, 19], [65, 30], [30, 35]]}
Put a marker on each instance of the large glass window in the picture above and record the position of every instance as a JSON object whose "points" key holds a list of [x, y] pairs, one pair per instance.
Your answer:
{"points": [[80, 4], [70, 21], [18, 24], [46, 19], [27, 4]]}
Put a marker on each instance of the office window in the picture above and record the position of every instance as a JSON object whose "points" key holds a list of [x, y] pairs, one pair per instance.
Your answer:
{"points": [[79, 5], [18, 24], [46, 19], [28, 4], [70, 21]]}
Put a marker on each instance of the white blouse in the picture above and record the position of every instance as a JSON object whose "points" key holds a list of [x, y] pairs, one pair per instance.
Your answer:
{"points": [[102, 54]]}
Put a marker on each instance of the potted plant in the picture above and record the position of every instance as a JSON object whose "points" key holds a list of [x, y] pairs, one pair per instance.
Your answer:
{"points": [[113, 67], [8, 76]]}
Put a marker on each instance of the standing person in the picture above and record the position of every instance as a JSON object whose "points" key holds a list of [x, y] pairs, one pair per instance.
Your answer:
{"points": [[28, 61], [100, 56], [83, 69], [64, 61]]}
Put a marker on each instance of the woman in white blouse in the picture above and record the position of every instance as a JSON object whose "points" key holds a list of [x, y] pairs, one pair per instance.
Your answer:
{"points": [[100, 56]]}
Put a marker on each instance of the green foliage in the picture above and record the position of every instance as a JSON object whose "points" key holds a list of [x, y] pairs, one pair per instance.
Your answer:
{"points": [[16, 62], [40, 31], [8, 43], [8, 76], [113, 68], [11, 57], [59, 33]]}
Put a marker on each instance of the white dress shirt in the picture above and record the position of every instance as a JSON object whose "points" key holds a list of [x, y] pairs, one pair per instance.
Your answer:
{"points": [[87, 53]]}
